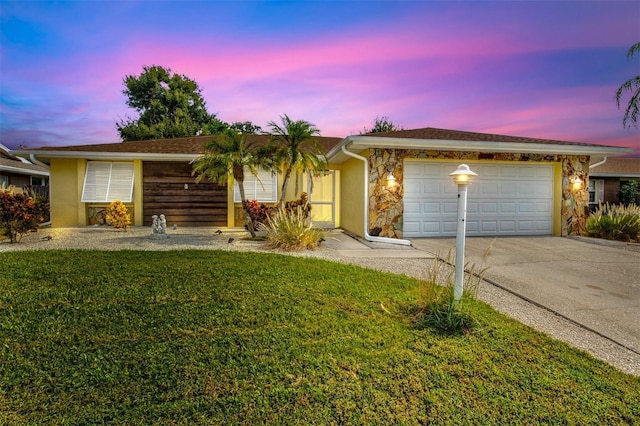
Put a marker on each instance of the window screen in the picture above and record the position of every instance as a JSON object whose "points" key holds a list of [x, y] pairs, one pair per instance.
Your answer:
{"points": [[106, 182]]}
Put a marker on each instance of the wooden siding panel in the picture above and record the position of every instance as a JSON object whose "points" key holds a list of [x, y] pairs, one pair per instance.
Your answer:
{"points": [[196, 204]]}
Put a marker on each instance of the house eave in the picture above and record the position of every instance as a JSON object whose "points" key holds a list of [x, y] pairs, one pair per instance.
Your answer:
{"points": [[616, 175], [360, 143], [117, 156], [21, 171]]}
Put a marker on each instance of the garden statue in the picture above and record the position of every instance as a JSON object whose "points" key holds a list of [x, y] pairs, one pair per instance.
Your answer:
{"points": [[158, 226]]}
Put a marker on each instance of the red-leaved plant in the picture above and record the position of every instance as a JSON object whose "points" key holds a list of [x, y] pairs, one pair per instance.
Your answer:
{"points": [[19, 213]]}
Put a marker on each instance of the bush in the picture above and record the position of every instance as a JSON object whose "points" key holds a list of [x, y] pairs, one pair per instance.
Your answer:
{"points": [[292, 230], [615, 222], [19, 213], [629, 193], [436, 307], [259, 213], [302, 202], [117, 215]]}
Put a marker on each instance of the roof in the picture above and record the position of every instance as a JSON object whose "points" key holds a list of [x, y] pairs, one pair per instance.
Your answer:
{"points": [[617, 167], [433, 133], [430, 138], [9, 163], [157, 149]]}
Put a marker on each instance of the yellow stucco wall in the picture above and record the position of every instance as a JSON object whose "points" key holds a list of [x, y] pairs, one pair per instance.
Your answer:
{"points": [[352, 196], [67, 180], [137, 193], [66, 189]]}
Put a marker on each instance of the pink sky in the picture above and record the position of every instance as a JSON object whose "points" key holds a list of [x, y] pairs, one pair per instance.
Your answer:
{"points": [[537, 69]]}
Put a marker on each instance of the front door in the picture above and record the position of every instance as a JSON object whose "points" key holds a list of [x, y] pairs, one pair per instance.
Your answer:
{"points": [[322, 196]]}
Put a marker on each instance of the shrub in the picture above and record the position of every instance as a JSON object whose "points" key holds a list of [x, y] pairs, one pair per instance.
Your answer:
{"points": [[259, 213], [117, 215], [615, 222], [292, 230], [302, 202], [629, 193], [19, 213], [436, 307]]}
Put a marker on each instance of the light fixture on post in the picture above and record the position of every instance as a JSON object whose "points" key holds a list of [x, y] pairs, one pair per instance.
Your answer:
{"points": [[576, 183], [462, 177]]}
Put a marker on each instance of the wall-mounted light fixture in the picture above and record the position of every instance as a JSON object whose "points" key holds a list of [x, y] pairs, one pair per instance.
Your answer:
{"points": [[576, 183], [391, 180]]}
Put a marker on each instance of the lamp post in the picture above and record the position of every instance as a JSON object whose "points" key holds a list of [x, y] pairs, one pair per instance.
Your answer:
{"points": [[462, 177]]}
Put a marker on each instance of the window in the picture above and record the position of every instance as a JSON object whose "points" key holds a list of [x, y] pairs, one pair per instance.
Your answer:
{"points": [[596, 191], [106, 182], [38, 181], [4, 181], [263, 189]]}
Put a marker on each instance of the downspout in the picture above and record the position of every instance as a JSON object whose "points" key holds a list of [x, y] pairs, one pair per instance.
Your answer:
{"points": [[34, 160], [599, 163], [366, 205]]}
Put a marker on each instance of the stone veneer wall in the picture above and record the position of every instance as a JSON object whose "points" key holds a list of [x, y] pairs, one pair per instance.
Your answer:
{"points": [[386, 204]]}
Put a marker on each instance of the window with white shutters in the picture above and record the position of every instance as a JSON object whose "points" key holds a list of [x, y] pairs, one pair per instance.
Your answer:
{"points": [[264, 188], [106, 182]]}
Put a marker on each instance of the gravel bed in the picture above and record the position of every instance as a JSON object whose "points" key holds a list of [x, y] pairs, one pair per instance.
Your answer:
{"points": [[235, 239]]}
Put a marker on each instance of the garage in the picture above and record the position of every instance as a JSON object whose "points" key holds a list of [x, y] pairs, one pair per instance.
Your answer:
{"points": [[505, 199]]}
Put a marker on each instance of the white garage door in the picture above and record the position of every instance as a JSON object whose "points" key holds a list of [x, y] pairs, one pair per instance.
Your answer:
{"points": [[504, 199]]}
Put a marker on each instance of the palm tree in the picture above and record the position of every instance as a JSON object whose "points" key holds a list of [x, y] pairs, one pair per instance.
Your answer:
{"points": [[632, 85], [229, 155], [296, 149]]}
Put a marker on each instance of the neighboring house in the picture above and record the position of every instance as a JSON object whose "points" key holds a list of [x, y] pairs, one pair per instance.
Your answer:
{"points": [[524, 185], [607, 177], [19, 172]]}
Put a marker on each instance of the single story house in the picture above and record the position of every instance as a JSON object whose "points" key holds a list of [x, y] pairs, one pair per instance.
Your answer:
{"points": [[524, 186], [19, 172], [608, 176]]}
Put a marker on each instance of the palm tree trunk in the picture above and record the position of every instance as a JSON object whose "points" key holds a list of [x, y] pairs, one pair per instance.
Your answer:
{"points": [[247, 216], [287, 175]]}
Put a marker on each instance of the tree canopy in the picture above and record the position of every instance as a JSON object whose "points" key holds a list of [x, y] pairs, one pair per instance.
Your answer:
{"points": [[383, 124], [297, 149], [169, 106], [633, 86]]}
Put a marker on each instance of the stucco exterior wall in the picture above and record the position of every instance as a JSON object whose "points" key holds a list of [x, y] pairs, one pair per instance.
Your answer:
{"points": [[67, 180], [386, 203], [352, 196]]}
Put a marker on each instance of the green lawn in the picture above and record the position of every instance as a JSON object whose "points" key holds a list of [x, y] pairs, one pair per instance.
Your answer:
{"points": [[187, 337]]}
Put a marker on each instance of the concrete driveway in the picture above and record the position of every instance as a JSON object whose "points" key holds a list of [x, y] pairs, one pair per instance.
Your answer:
{"points": [[592, 282]]}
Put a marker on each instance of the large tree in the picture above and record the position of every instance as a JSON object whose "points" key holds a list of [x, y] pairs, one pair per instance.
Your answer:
{"points": [[229, 154], [633, 86], [296, 149], [169, 106], [383, 124]]}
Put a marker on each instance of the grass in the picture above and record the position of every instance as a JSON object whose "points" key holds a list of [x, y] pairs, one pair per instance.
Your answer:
{"points": [[210, 337]]}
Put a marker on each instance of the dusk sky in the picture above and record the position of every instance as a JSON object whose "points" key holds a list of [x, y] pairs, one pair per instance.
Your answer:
{"points": [[545, 69]]}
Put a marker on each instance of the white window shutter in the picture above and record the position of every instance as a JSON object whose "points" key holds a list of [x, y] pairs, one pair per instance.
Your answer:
{"points": [[265, 190], [106, 182], [599, 190], [121, 182]]}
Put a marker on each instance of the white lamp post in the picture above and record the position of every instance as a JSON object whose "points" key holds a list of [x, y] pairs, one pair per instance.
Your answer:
{"points": [[461, 177]]}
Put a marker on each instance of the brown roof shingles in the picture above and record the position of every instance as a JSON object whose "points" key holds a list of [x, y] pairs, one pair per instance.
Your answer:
{"points": [[459, 135], [195, 145], [618, 166], [192, 145]]}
